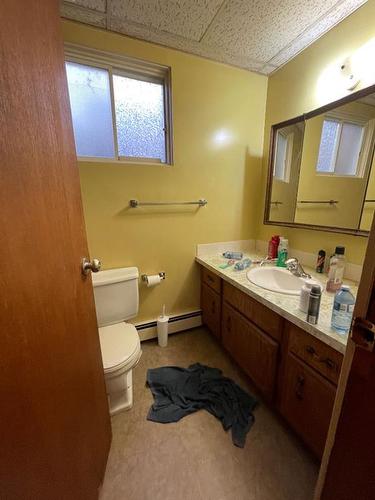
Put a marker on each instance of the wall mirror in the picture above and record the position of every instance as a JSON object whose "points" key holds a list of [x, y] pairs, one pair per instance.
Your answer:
{"points": [[322, 168]]}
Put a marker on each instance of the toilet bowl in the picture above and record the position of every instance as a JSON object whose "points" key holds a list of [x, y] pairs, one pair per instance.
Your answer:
{"points": [[116, 299]]}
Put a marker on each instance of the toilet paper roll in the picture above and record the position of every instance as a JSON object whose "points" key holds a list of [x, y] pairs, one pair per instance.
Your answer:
{"points": [[153, 280]]}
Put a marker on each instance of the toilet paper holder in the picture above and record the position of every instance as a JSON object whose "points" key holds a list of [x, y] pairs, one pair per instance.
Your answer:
{"points": [[161, 274]]}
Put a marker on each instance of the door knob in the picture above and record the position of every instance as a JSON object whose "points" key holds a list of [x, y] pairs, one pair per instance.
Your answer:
{"points": [[93, 265]]}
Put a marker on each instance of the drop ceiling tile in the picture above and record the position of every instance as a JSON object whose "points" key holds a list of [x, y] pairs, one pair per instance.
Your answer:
{"points": [[258, 35], [176, 42], [259, 28], [186, 18], [99, 5], [315, 31]]}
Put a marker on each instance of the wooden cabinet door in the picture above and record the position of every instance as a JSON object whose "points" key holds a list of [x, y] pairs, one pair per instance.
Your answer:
{"points": [[306, 402], [211, 309], [54, 419], [253, 350]]}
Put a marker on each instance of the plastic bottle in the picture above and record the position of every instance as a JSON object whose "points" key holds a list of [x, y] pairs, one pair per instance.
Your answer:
{"points": [[243, 264], [336, 270], [314, 304], [273, 246], [282, 254], [233, 255], [342, 312]]}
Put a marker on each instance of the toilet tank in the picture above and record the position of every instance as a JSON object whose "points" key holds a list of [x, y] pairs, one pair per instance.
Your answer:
{"points": [[116, 295]]}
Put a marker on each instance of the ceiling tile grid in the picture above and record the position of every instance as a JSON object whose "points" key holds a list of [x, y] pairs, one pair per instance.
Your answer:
{"points": [[257, 35]]}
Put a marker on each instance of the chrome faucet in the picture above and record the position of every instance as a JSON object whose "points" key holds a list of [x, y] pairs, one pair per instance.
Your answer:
{"points": [[295, 268]]}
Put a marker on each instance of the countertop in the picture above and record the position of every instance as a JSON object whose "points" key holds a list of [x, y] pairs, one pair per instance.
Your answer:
{"points": [[285, 305]]}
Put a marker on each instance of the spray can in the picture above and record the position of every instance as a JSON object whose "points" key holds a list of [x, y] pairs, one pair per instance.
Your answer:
{"points": [[314, 305]]}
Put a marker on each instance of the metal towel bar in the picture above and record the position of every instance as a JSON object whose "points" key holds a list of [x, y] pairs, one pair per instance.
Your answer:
{"points": [[329, 202], [135, 203]]}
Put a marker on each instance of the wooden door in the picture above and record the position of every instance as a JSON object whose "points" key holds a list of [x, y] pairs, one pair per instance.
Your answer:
{"points": [[54, 421], [347, 470]]}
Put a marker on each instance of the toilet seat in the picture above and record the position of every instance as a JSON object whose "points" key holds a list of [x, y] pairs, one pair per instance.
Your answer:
{"points": [[120, 346]]}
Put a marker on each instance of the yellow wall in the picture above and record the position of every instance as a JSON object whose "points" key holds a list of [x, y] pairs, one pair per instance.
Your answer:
{"points": [[210, 101], [306, 83]]}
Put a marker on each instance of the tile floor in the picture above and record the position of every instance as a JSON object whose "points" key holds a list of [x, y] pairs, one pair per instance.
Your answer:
{"points": [[194, 459]]}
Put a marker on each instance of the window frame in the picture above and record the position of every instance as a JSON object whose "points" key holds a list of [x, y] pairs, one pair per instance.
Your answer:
{"points": [[130, 67], [341, 118]]}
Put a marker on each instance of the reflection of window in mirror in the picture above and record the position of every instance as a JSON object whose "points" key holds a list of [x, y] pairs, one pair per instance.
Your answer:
{"points": [[283, 155], [345, 145]]}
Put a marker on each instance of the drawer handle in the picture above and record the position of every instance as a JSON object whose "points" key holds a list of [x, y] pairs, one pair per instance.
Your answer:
{"points": [[311, 350], [326, 361], [329, 363], [299, 386], [210, 278]]}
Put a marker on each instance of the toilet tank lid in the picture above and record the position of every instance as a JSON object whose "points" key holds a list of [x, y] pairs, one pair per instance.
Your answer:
{"points": [[115, 276]]}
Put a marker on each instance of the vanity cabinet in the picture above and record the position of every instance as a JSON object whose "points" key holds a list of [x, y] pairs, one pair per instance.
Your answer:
{"points": [[295, 371]]}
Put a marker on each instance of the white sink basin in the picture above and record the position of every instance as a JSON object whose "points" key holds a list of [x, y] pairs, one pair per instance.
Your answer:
{"points": [[276, 279]]}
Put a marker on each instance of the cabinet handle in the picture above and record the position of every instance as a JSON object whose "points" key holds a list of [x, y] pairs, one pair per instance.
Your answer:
{"points": [[299, 386], [213, 307], [210, 278], [229, 323]]}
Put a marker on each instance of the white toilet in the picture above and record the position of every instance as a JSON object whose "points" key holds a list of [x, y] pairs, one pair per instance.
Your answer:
{"points": [[116, 300]]}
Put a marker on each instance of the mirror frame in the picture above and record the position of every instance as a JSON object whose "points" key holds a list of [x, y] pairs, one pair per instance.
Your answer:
{"points": [[274, 128]]}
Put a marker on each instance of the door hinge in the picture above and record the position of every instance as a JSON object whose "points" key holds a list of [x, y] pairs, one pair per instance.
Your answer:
{"points": [[363, 334]]}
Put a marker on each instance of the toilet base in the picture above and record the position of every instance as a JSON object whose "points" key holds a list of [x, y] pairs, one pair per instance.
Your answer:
{"points": [[119, 392]]}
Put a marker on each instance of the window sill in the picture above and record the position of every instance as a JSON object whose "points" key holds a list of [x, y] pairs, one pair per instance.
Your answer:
{"points": [[135, 162]]}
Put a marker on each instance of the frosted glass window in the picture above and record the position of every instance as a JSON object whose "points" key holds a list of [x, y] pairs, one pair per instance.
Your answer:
{"points": [[280, 157], [139, 107], [349, 149], [340, 147], [327, 149], [90, 102]]}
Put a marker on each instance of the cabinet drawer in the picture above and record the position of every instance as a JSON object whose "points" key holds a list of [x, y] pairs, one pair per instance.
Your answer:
{"points": [[254, 351], [259, 314], [307, 402], [211, 280], [315, 353], [211, 309]]}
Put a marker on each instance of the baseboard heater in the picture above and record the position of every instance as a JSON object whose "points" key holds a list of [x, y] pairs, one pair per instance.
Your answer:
{"points": [[176, 324]]}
